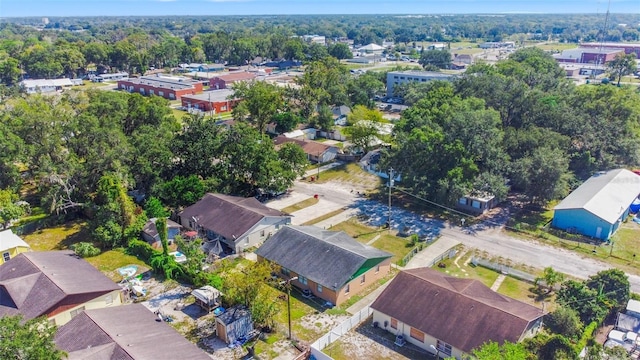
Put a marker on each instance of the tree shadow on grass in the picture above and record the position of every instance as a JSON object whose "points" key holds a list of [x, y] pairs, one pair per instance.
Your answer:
{"points": [[82, 235]]}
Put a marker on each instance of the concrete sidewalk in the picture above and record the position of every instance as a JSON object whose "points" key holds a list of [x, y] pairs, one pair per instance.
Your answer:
{"points": [[435, 250], [337, 219]]}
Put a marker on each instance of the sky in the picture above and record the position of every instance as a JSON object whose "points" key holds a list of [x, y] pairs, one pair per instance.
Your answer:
{"points": [[52, 8]]}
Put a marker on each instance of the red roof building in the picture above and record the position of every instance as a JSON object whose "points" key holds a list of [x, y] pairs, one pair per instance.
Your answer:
{"points": [[226, 80], [218, 101], [171, 88]]}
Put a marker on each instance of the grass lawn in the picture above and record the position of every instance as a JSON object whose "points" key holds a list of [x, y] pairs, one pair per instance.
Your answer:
{"points": [[349, 173], [300, 205], [109, 261], [63, 236], [357, 230], [526, 292], [386, 241], [557, 46], [486, 276]]}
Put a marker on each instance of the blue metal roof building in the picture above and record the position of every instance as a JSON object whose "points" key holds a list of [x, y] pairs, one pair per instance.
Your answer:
{"points": [[598, 206]]}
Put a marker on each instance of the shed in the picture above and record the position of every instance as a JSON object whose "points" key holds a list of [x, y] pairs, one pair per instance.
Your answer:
{"points": [[207, 297], [234, 325]]}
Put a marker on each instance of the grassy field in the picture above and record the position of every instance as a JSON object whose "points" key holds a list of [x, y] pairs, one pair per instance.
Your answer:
{"points": [[350, 173], [557, 46], [300, 205], [385, 241], [63, 236]]}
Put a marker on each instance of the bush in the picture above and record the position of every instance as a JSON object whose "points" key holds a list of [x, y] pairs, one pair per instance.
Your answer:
{"points": [[564, 321], [586, 336], [140, 249], [85, 249]]}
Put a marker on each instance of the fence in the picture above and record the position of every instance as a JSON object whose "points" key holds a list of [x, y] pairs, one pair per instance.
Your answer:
{"points": [[421, 246], [505, 269], [335, 333]]}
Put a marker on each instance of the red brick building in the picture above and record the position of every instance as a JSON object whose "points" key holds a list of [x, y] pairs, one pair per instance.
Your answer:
{"points": [[584, 55], [627, 47], [218, 101], [226, 80], [171, 88]]}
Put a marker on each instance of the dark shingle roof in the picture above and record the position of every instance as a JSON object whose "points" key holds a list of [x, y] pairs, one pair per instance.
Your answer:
{"points": [[461, 312], [151, 229], [229, 216], [128, 332], [234, 314], [32, 283], [309, 147], [329, 258]]}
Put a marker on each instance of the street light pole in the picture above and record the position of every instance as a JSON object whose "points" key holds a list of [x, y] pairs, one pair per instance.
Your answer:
{"points": [[390, 186], [288, 284]]}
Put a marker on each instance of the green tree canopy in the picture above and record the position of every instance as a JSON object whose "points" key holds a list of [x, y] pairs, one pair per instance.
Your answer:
{"points": [[31, 339]]}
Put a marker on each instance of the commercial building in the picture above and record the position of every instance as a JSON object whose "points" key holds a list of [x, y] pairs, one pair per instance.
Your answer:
{"points": [[168, 87], [598, 206], [583, 55], [395, 78], [627, 47], [218, 101], [226, 80]]}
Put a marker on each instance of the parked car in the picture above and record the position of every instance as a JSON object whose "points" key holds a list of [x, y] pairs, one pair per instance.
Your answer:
{"points": [[623, 337]]}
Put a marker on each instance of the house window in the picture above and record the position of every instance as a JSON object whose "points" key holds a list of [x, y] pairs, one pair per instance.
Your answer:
{"points": [[161, 93], [302, 280], [151, 92], [377, 269], [6, 256], [77, 311], [417, 334], [346, 289], [444, 348], [285, 271], [108, 299], [462, 201], [362, 280], [319, 288], [394, 323], [172, 96], [223, 108]]}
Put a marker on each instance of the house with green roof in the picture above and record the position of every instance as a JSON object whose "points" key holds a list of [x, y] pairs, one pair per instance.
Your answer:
{"points": [[330, 264]]}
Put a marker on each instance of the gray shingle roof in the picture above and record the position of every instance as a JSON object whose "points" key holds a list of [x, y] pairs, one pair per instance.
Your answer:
{"points": [[151, 229], [32, 283], [461, 312], [329, 258], [606, 195], [229, 216], [128, 332]]}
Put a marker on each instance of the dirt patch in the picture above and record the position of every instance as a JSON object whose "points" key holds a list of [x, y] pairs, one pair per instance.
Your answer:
{"points": [[321, 322]]}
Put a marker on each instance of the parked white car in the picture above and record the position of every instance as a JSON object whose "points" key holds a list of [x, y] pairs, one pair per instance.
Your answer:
{"points": [[623, 337]]}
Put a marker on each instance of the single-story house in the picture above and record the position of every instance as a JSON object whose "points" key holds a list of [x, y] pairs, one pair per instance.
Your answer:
{"points": [[316, 151], [234, 324], [283, 64], [11, 245], [207, 297], [55, 284], [455, 315], [340, 114], [32, 86], [225, 81], [150, 232], [237, 222], [477, 203], [130, 332], [598, 206], [464, 59], [331, 264]]}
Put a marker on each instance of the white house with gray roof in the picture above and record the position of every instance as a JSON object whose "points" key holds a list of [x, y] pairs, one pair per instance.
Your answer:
{"points": [[330, 264], [598, 206]]}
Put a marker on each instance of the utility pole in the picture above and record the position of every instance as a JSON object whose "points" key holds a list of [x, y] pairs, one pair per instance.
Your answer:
{"points": [[390, 186]]}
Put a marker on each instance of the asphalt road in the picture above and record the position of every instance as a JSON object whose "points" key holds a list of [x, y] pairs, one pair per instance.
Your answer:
{"points": [[532, 253]]}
